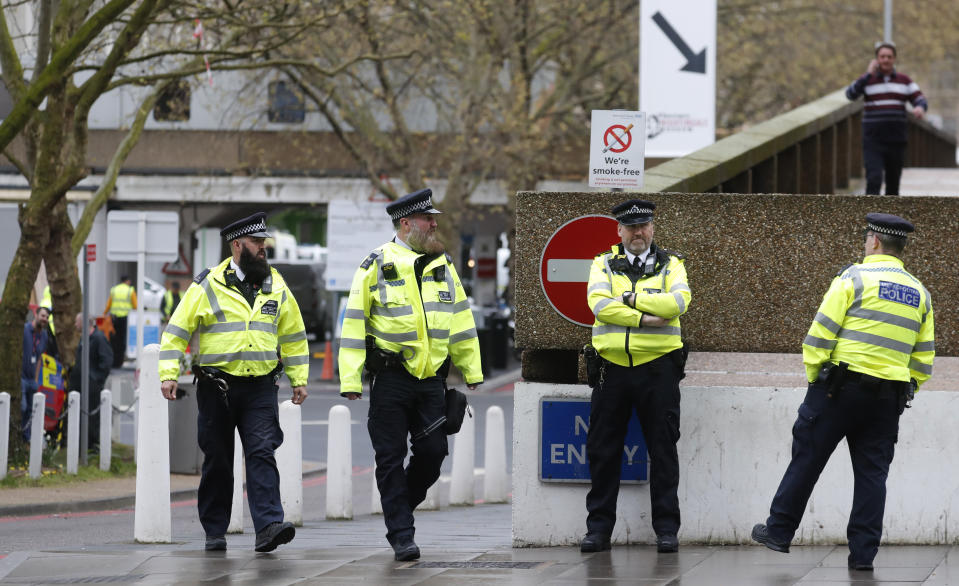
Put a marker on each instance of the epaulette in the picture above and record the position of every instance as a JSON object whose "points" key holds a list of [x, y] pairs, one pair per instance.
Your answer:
{"points": [[672, 253], [199, 278], [843, 270], [449, 258], [369, 260]]}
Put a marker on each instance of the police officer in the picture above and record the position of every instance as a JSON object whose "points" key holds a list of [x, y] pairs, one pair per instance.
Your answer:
{"points": [[868, 349], [243, 311], [407, 313], [170, 300], [637, 292], [122, 300]]}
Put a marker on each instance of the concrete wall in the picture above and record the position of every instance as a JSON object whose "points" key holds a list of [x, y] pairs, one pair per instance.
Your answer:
{"points": [[734, 448]]}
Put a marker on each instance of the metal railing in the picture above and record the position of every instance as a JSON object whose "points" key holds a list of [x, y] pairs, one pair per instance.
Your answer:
{"points": [[815, 148]]}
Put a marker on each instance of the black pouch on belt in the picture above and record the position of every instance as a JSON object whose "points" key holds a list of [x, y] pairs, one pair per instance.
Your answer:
{"points": [[457, 406], [594, 364]]}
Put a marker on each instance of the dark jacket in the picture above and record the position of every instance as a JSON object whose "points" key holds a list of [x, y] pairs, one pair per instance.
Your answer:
{"points": [[35, 343], [101, 359]]}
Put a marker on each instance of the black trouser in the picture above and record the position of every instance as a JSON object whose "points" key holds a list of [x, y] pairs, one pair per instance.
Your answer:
{"points": [[94, 414], [879, 157], [402, 406], [652, 390], [254, 411], [866, 413], [119, 340]]}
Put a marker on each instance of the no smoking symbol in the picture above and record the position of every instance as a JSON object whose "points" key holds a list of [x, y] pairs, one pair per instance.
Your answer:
{"points": [[617, 138]]}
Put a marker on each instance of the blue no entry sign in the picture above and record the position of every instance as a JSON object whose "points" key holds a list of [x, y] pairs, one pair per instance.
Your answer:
{"points": [[564, 424]]}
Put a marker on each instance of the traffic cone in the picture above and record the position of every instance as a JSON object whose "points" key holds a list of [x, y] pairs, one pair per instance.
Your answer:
{"points": [[327, 373]]}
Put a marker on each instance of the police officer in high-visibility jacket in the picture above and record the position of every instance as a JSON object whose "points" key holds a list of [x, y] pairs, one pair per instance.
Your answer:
{"points": [[406, 314], [637, 292], [243, 311], [870, 346], [122, 300]]}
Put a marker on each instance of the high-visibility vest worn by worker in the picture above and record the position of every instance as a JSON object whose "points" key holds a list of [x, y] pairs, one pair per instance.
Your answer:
{"points": [[877, 318], [121, 299], [170, 303], [386, 303], [660, 289], [234, 337]]}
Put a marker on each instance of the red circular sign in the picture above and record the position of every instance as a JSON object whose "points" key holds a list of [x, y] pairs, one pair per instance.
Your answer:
{"points": [[564, 266], [617, 138]]}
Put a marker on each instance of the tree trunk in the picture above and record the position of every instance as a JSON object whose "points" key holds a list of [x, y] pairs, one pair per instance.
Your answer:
{"points": [[64, 280], [34, 236]]}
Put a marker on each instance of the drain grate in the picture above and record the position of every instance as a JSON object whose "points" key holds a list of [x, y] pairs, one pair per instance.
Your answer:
{"points": [[478, 565], [97, 580]]}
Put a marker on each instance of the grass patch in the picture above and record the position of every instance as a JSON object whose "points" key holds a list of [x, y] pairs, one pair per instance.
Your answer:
{"points": [[54, 469]]}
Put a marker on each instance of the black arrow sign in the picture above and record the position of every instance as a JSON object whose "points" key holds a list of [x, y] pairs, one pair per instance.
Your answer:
{"points": [[695, 62]]}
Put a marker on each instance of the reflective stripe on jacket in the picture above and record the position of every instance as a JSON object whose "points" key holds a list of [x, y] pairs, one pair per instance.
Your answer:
{"points": [[617, 335], [877, 318], [234, 337], [422, 325], [121, 299]]}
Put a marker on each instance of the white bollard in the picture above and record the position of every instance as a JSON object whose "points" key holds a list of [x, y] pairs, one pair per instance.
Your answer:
{"points": [[106, 421], [152, 520], [136, 420], [73, 431], [339, 465], [36, 435], [4, 432], [376, 505], [432, 500], [236, 513], [289, 462], [495, 484], [464, 454]]}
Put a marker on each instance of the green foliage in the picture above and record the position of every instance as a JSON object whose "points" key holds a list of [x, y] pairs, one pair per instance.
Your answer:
{"points": [[122, 464]]}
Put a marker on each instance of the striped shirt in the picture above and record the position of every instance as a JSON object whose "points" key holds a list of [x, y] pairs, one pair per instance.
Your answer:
{"points": [[885, 97]]}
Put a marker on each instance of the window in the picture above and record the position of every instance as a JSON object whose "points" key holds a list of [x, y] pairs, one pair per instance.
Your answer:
{"points": [[286, 104], [173, 105]]}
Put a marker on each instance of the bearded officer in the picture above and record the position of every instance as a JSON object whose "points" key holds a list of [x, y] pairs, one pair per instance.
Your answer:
{"points": [[870, 346], [637, 291], [407, 313], [243, 311]]}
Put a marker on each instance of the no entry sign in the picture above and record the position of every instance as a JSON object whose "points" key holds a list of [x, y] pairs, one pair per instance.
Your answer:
{"points": [[564, 266]]}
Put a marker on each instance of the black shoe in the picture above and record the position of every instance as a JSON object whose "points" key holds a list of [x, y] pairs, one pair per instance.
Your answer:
{"points": [[273, 535], [215, 543], [761, 534], [594, 542], [861, 566], [405, 550], [667, 543]]}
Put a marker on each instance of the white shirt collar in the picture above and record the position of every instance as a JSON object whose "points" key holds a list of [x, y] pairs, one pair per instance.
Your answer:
{"points": [[239, 273], [401, 242], [642, 257]]}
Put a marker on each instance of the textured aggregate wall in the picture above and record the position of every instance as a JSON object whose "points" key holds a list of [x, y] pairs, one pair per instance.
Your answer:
{"points": [[758, 265]]}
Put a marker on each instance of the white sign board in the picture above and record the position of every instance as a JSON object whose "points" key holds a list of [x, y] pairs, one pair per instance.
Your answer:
{"points": [[354, 228], [162, 235], [677, 75], [616, 149]]}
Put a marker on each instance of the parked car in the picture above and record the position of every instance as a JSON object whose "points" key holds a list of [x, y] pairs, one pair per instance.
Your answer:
{"points": [[306, 281]]}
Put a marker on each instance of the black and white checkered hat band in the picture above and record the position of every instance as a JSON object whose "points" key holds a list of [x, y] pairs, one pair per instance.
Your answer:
{"points": [[248, 229], [423, 204], [884, 230], [634, 211]]}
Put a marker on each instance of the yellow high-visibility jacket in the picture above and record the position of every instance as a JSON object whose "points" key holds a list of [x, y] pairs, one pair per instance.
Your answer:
{"points": [[617, 335], [234, 337], [423, 325], [123, 298], [877, 318]]}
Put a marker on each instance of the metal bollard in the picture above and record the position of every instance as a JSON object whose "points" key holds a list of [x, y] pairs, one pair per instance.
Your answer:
{"points": [[376, 505], [236, 513], [464, 454], [495, 484], [106, 421], [289, 462], [73, 431], [36, 435], [339, 465], [152, 519], [4, 432]]}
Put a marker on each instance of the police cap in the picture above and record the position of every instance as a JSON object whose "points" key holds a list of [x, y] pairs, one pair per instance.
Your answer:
{"points": [[634, 211], [888, 224], [254, 226], [418, 202]]}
